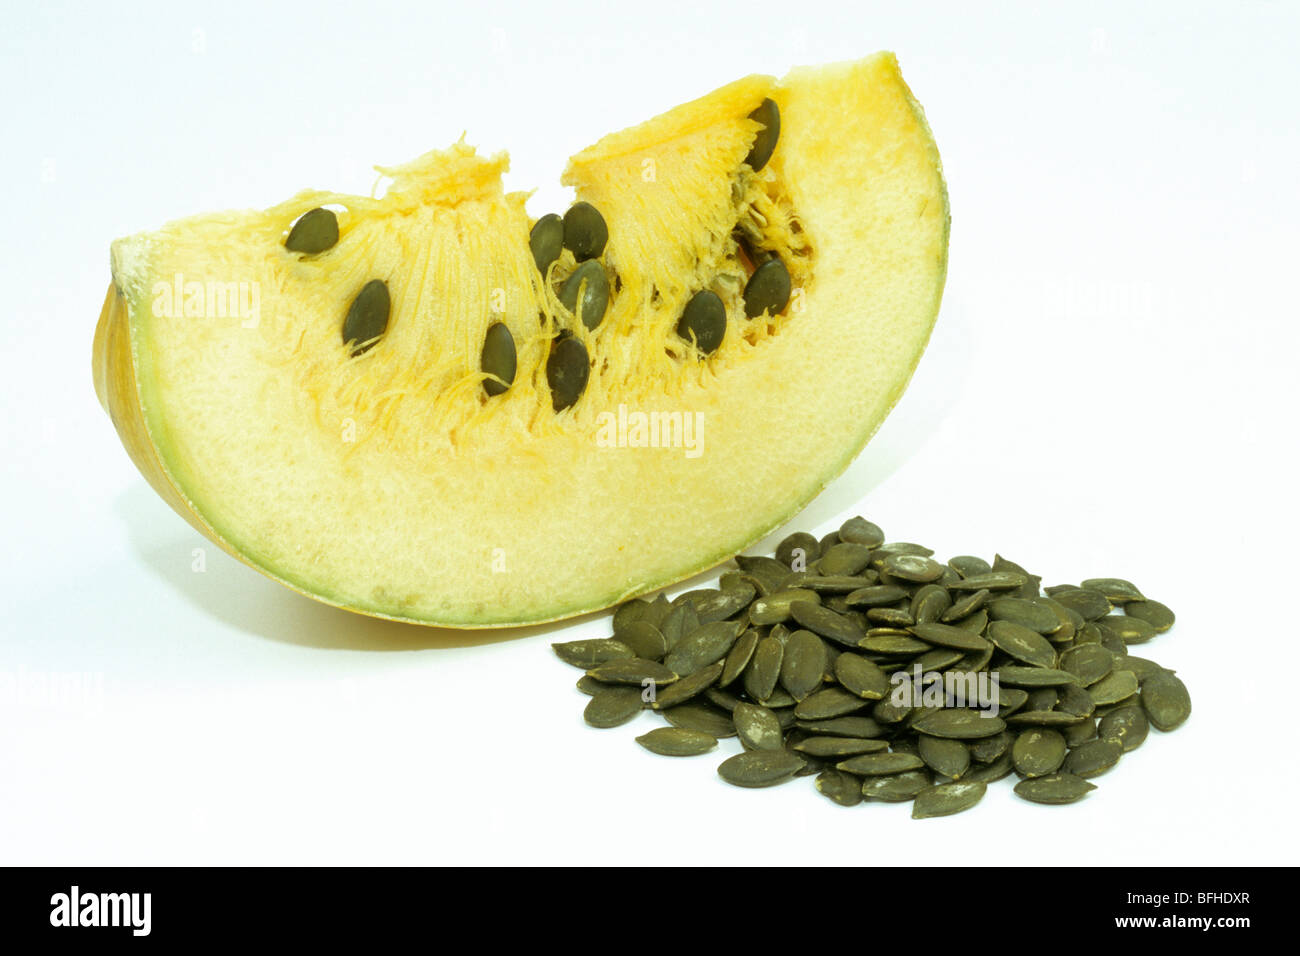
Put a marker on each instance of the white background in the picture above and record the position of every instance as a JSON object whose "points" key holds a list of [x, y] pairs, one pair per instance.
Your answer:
{"points": [[1110, 390]]}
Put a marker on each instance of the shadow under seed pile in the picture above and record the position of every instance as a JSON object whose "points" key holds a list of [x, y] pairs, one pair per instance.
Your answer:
{"points": [[872, 665]]}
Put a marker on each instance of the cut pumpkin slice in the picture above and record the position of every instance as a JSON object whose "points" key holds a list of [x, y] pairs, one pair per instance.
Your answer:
{"points": [[430, 407]]}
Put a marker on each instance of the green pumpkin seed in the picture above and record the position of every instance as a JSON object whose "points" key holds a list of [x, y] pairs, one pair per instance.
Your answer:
{"points": [[1059, 788], [892, 617], [720, 605], [1075, 700], [775, 608], [633, 670], [879, 764], [567, 370], [706, 645], [1127, 726], [498, 359], [613, 706], [315, 232], [975, 623], [682, 690], [968, 566], [1093, 757], [839, 747], [839, 787], [768, 117], [758, 727], [629, 611], [992, 771], [945, 635], [590, 280], [1010, 700], [989, 749], [800, 547], [991, 581], [768, 289], [1026, 614], [1038, 751], [1080, 733], [912, 567], [673, 626], [877, 595], [946, 799], [898, 644], [1114, 687], [947, 757], [803, 664], [1022, 643], [546, 241], [1035, 676], [859, 530], [1165, 700], [824, 621], [768, 572], [677, 742], [702, 717], [585, 232], [1141, 667], [765, 669], [833, 584], [1091, 604], [861, 677], [1153, 612], [738, 658], [1116, 590], [1088, 662], [1044, 718], [588, 653], [760, 768], [844, 559], [929, 603], [959, 723], [1043, 698], [703, 322], [828, 703], [897, 787], [863, 727], [939, 659], [645, 639], [367, 317], [589, 685], [1128, 630]]}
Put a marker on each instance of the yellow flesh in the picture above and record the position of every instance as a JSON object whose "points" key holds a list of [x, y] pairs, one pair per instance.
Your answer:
{"points": [[389, 484]]}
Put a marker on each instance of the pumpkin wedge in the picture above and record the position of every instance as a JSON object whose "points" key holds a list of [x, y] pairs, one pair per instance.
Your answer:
{"points": [[432, 407]]}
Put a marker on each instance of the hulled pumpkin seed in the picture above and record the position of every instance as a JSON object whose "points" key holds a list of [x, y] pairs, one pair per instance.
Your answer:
{"points": [[912, 567], [1129, 630], [704, 321], [824, 621], [1165, 700], [1022, 643], [946, 799], [1088, 662], [842, 727], [992, 771], [1035, 676], [844, 559], [1153, 612], [702, 717], [498, 358], [367, 317], [876, 595], [991, 581], [1127, 726], [1055, 789], [677, 742], [968, 566], [860, 676], [765, 668], [840, 747], [567, 369], [760, 768], [768, 117], [316, 231], [1044, 718], [947, 757], [1114, 687], [589, 685], [775, 608], [798, 548], [897, 787], [588, 653], [1093, 757], [768, 289], [945, 635], [1116, 590], [803, 664], [645, 639], [758, 727], [706, 645], [683, 689], [1091, 604], [929, 603], [879, 764], [585, 232], [858, 530], [632, 670], [1025, 613], [1038, 751], [959, 723], [738, 658], [828, 703], [839, 787], [613, 706]]}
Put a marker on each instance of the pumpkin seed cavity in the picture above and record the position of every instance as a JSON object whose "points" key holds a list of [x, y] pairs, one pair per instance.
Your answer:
{"points": [[811, 644]]}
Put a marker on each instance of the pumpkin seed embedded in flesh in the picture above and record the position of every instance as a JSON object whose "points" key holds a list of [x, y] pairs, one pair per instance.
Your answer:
{"points": [[590, 281], [367, 317], [585, 232], [703, 321], [589, 653], [677, 742], [1058, 788], [1165, 700], [546, 241], [768, 117], [768, 289], [946, 799], [1153, 612], [1038, 751], [760, 768], [683, 689], [567, 370], [1127, 726], [613, 706], [1093, 757], [840, 787], [316, 231], [498, 358]]}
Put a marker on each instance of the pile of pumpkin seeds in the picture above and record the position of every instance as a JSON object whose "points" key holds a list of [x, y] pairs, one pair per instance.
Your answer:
{"points": [[888, 675]]}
